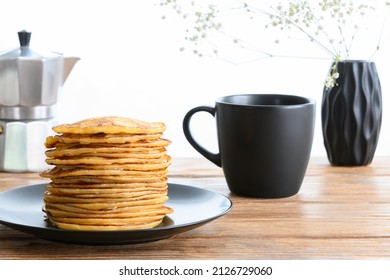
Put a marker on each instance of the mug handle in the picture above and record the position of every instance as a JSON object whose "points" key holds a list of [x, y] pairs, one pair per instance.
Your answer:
{"points": [[214, 158]]}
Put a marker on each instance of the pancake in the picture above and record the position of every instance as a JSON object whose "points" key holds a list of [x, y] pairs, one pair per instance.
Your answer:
{"points": [[137, 226], [107, 179], [131, 209], [89, 192], [65, 214], [141, 199], [107, 161], [55, 142], [108, 173], [111, 125], [57, 172], [111, 186], [114, 151], [99, 138], [104, 206]]}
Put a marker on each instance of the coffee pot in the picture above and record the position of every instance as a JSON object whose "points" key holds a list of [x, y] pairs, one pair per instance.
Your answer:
{"points": [[30, 83]]}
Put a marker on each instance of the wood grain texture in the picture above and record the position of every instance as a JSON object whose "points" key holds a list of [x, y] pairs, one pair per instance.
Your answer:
{"points": [[339, 213]]}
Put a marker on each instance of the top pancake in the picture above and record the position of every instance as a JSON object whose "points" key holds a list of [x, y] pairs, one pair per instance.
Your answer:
{"points": [[111, 125]]}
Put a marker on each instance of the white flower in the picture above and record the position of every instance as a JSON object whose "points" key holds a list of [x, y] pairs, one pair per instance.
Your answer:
{"points": [[332, 25], [331, 79]]}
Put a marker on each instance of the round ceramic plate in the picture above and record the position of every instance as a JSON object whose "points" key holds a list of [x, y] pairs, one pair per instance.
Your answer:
{"points": [[21, 209]]}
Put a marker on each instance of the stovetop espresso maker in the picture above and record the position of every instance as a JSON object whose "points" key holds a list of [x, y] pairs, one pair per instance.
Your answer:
{"points": [[29, 86]]}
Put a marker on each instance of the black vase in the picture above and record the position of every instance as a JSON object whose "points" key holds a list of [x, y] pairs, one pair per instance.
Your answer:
{"points": [[352, 114]]}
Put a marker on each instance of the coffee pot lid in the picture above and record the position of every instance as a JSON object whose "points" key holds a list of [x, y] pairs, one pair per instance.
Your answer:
{"points": [[24, 51]]}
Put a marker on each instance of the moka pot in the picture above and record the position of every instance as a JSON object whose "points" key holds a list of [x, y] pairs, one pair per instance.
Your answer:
{"points": [[30, 83]]}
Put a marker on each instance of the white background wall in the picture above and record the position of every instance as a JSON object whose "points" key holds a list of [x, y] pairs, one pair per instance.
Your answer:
{"points": [[131, 66]]}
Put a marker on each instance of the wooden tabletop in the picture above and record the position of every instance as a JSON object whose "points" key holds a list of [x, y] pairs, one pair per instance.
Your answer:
{"points": [[339, 213]]}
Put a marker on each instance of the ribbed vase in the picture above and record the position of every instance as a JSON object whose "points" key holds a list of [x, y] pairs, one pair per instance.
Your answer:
{"points": [[352, 114]]}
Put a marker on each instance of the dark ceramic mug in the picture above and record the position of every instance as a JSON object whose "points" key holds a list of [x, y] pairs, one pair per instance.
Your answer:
{"points": [[264, 142]]}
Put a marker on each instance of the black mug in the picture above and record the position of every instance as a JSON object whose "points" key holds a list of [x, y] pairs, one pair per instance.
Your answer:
{"points": [[264, 142]]}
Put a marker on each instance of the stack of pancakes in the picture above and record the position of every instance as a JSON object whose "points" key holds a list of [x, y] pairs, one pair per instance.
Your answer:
{"points": [[109, 173]]}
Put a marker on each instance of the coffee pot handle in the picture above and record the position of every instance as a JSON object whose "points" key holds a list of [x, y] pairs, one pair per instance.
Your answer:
{"points": [[214, 158]]}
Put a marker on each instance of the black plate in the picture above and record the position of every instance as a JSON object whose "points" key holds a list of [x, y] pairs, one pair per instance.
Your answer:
{"points": [[21, 209]]}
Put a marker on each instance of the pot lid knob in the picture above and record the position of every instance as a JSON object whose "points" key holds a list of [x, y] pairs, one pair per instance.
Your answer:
{"points": [[24, 38]]}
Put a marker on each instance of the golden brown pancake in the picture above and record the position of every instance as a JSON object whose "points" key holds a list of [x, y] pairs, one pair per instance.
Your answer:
{"points": [[57, 172], [138, 226], [109, 173], [111, 125], [104, 206], [55, 142], [108, 186], [132, 209], [99, 138], [97, 161], [66, 214], [113, 151], [107, 179]]}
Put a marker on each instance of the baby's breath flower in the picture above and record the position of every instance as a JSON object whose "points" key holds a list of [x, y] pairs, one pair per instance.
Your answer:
{"points": [[332, 25], [331, 80]]}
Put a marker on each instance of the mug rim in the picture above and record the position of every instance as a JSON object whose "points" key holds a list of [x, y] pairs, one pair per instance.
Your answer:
{"points": [[305, 100]]}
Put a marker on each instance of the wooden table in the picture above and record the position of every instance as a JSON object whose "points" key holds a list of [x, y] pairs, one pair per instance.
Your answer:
{"points": [[339, 213]]}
